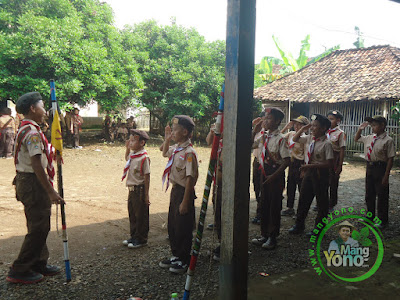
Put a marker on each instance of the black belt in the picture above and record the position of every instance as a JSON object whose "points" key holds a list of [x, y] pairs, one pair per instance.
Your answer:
{"points": [[377, 163]]}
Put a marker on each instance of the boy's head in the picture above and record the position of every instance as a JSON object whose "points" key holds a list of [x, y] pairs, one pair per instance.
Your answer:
{"points": [[273, 118], [182, 128], [138, 139], [335, 117], [31, 106], [319, 125], [378, 123], [299, 122], [76, 111]]}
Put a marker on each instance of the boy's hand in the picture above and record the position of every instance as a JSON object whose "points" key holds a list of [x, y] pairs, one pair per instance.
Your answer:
{"points": [[183, 208], [268, 179], [257, 125], [338, 170], [385, 180], [55, 197], [363, 125], [168, 133], [306, 127], [127, 144]]}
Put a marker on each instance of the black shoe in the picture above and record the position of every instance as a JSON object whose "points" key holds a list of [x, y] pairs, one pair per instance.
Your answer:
{"points": [[24, 278], [217, 252], [47, 270], [178, 268], [256, 221], [296, 229], [167, 263], [259, 241], [136, 244], [270, 244], [210, 226], [288, 212], [127, 242]]}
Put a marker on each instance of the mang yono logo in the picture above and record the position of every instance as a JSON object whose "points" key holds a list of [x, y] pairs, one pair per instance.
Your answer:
{"points": [[352, 255]]}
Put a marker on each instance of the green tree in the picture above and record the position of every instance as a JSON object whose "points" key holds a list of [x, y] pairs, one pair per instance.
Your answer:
{"points": [[182, 73], [73, 42], [359, 43]]}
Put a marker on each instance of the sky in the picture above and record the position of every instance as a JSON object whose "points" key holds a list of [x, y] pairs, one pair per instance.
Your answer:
{"points": [[329, 23]]}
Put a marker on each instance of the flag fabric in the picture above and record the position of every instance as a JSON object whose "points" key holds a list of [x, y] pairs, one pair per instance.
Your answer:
{"points": [[56, 135]]}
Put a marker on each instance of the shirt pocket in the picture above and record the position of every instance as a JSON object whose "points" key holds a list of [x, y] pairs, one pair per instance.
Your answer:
{"points": [[180, 164]]}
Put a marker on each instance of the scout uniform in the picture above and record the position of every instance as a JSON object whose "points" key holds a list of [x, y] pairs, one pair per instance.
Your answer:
{"points": [[136, 167], [377, 151], [257, 178], [273, 150], [296, 161], [182, 163], [338, 139], [315, 181], [76, 122], [7, 134]]}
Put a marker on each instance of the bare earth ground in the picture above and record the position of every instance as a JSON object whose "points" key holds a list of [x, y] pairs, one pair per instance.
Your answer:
{"points": [[104, 269]]}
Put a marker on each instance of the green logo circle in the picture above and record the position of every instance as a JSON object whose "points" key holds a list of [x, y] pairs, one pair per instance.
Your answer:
{"points": [[377, 262]]}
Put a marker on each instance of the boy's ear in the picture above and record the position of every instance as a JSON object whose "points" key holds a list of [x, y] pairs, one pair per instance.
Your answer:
{"points": [[142, 143]]}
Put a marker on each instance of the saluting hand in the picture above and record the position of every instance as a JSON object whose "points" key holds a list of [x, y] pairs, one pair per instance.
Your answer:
{"points": [[364, 125], [257, 125], [167, 133], [306, 127]]}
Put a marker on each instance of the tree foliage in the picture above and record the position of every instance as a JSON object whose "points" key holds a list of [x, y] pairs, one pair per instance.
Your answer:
{"points": [[182, 73], [73, 42]]}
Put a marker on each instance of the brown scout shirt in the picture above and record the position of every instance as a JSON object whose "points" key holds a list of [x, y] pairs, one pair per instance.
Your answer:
{"points": [[383, 148], [139, 167], [31, 145], [298, 150], [277, 147], [337, 138], [3, 121], [184, 165], [323, 150]]}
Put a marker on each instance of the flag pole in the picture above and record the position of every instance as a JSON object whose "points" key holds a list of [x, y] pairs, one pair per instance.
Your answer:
{"points": [[206, 195], [60, 178]]}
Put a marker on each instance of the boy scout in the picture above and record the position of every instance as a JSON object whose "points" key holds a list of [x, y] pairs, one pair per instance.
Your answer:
{"points": [[274, 157], [296, 161], [379, 153], [7, 133], [338, 139], [257, 172], [317, 162], [182, 171], [35, 191], [137, 171]]}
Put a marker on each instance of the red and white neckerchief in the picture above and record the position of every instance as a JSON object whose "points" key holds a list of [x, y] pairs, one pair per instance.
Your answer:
{"points": [[128, 163], [48, 150], [291, 144], [328, 133], [167, 171], [372, 146], [310, 151], [268, 136]]}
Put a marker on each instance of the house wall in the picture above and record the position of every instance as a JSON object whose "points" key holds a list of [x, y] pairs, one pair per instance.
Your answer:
{"points": [[354, 113]]}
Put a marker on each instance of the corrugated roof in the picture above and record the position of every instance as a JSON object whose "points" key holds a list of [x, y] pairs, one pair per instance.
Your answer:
{"points": [[345, 75]]}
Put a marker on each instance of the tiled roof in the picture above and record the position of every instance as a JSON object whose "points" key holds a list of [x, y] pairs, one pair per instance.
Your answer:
{"points": [[344, 75]]}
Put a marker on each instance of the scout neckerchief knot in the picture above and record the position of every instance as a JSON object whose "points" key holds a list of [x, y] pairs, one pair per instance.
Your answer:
{"points": [[310, 151], [265, 149], [48, 150], [372, 146], [128, 163], [291, 144], [167, 171], [328, 133]]}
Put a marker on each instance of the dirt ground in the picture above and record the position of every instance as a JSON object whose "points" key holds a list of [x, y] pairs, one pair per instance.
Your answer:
{"points": [[97, 222]]}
